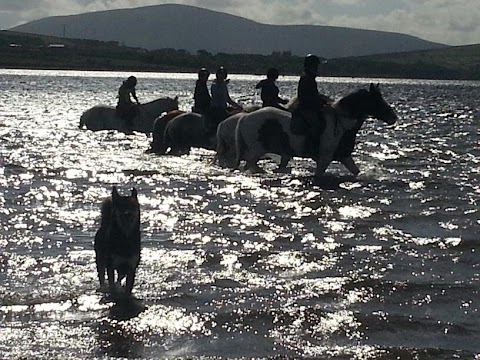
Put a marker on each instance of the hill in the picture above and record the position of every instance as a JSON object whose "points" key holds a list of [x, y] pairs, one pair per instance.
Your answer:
{"points": [[21, 50], [192, 29], [456, 62]]}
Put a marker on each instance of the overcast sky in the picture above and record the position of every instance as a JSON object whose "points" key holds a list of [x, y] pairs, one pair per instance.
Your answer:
{"points": [[453, 22]]}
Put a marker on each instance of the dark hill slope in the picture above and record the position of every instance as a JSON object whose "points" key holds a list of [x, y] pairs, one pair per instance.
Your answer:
{"points": [[192, 29], [456, 62]]}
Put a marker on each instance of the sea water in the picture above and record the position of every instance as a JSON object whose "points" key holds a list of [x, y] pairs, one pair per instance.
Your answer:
{"points": [[235, 264]]}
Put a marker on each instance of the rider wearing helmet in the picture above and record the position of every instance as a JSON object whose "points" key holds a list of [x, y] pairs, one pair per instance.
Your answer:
{"points": [[201, 96], [269, 90], [126, 108], [308, 117], [222, 104], [308, 95]]}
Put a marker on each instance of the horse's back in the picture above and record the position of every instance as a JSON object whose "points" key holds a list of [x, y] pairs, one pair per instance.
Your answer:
{"points": [[263, 131], [187, 129], [94, 118], [265, 117], [185, 119]]}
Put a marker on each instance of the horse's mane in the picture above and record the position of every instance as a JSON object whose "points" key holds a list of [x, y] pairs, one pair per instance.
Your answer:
{"points": [[353, 103]]}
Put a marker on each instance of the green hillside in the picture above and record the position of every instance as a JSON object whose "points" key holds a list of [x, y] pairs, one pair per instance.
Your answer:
{"points": [[19, 50], [458, 62]]}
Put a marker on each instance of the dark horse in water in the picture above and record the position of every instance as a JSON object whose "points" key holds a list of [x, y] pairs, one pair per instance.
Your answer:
{"points": [[179, 131], [269, 130], [103, 117]]}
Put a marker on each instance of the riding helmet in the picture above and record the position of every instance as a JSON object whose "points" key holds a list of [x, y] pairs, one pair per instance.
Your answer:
{"points": [[222, 70], [272, 73], [311, 61], [203, 72], [132, 80]]}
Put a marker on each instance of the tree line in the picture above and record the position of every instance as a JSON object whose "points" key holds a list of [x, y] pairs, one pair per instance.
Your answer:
{"points": [[33, 52]]}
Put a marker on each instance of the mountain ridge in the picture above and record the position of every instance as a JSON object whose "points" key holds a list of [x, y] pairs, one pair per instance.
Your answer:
{"points": [[193, 28]]}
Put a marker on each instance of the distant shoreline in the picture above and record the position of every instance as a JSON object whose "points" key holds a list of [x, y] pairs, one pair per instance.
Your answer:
{"points": [[27, 51]]}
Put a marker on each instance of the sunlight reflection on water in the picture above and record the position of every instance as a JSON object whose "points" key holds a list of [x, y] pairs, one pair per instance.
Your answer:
{"points": [[235, 264]]}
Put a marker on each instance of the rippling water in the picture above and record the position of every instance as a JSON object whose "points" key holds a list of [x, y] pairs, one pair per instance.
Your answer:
{"points": [[384, 266]]}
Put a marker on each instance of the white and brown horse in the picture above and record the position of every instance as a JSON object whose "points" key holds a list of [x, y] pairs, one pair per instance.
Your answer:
{"points": [[226, 149], [269, 130], [102, 117]]}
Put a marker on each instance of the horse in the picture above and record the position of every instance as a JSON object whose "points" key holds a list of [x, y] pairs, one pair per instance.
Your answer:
{"points": [[225, 151], [102, 117], [268, 130], [159, 125], [185, 131], [189, 130]]}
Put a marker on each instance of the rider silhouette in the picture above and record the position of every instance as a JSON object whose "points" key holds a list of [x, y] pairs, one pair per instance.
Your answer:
{"points": [[308, 116], [222, 103], [126, 109], [201, 96], [269, 90]]}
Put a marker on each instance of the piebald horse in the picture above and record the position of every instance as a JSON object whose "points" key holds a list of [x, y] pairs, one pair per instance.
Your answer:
{"points": [[268, 130], [101, 117], [226, 151]]}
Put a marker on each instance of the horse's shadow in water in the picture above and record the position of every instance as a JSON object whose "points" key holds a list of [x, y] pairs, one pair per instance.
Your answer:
{"points": [[125, 307], [330, 181], [116, 338], [326, 182]]}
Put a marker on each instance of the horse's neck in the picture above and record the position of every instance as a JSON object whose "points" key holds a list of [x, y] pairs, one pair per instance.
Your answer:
{"points": [[153, 104], [347, 118], [159, 103]]}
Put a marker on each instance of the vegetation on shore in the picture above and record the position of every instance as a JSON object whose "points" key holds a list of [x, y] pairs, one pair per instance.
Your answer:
{"points": [[28, 51]]}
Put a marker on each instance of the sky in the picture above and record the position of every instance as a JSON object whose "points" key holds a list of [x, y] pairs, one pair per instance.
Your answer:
{"points": [[451, 22]]}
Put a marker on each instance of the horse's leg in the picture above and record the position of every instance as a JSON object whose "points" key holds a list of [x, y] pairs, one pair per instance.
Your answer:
{"points": [[284, 161], [229, 157], [225, 152], [322, 161], [252, 165], [350, 165]]}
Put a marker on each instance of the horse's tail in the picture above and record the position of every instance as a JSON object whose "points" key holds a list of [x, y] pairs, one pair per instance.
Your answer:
{"points": [[167, 140], [240, 143], [158, 144], [82, 121], [221, 148]]}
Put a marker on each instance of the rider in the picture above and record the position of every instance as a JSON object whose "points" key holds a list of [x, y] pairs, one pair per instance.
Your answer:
{"points": [[222, 104], [126, 109], [311, 104], [269, 90], [201, 97]]}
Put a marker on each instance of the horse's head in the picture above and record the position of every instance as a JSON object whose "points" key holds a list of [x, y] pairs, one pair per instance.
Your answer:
{"points": [[364, 103], [377, 107]]}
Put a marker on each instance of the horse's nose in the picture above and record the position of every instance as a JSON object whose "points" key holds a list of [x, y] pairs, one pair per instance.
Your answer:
{"points": [[392, 119]]}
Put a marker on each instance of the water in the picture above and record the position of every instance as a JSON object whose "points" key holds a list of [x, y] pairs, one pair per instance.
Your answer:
{"points": [[384, 266]]}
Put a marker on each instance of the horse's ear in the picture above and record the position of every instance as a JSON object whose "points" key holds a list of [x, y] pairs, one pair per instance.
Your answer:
{"points": [[374, 88], [134, 193], [114, 193]]}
